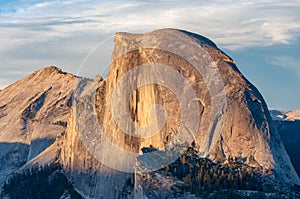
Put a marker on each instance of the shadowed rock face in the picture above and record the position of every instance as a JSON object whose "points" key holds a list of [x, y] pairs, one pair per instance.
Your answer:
{"points": [[238, 126], [12, 157], [290, 134]]}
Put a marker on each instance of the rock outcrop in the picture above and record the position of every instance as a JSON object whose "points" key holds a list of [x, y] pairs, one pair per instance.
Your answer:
{"points": [[33, 112], [166, 88]]}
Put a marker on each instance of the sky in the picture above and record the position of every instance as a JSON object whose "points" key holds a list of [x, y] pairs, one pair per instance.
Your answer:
{"points": [[263, 37]]}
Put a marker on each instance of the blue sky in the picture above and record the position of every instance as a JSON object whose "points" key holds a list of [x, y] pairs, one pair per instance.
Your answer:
{"points": [[263, 37]]}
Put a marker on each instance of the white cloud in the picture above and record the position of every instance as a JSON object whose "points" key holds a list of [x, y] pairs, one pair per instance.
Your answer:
{"points": [[232, 23], [39, 33]]}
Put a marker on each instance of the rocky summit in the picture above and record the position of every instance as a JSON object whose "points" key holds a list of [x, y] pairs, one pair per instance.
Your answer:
{"points": [[172, 100], [33, 112]]}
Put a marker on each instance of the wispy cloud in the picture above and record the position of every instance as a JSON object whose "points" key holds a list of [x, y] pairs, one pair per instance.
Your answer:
{"points": [[235, 24], [37, 33], [287, 62]]}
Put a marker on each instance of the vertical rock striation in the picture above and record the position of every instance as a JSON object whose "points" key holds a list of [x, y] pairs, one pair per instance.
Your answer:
{"points": [[135, 106]]}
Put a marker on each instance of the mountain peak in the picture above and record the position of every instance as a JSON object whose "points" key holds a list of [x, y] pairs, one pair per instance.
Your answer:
{"points": [[50, 70], [140, 59], [40, 89], [279, 115], [48, 74]]}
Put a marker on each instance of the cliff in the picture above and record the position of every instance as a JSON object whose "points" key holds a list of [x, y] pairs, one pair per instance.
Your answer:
{"points": [[168, 89]]}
